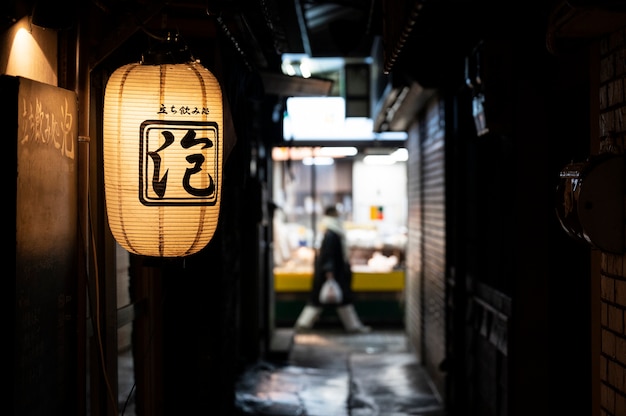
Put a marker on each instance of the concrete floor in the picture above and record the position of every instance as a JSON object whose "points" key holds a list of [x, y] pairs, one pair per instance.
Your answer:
{"points": [[326, 372], [330, 373]]}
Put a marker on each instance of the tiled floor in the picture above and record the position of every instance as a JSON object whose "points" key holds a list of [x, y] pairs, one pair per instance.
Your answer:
{"points": [[331, 373]]}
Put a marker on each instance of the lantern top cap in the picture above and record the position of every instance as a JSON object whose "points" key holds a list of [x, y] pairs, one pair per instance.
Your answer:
{"points": [[171, 50]]}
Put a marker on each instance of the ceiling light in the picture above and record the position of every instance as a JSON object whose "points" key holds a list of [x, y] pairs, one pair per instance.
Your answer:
{"points": [[337, 151], [318, 161]]}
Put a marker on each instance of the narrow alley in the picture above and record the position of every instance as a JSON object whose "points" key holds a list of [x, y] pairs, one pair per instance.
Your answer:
{"points": [[329, 372]]}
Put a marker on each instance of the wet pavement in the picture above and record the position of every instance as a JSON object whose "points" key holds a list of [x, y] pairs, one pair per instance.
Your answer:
{"points": [[332, 373]]}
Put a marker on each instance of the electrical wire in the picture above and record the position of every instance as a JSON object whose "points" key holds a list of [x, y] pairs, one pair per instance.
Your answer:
{"points": [[130, 394], [96, 314], [97, 327], [145, 354]]}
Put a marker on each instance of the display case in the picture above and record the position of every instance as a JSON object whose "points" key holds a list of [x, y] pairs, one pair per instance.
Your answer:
{"points": [[378, 276], [372, 205]]}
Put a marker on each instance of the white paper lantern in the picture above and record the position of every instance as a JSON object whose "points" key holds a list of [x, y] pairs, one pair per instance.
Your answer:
{"points": [[163, 150]]}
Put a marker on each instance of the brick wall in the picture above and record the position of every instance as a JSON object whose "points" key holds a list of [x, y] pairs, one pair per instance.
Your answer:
{"points": [[612, 106]]}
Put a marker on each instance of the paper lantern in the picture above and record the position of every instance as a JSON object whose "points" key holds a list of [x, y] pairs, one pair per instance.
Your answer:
{"points": [[163, 150]]}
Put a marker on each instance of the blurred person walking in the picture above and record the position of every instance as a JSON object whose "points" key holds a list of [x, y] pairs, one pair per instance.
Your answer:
{"points": [[332, 262]]}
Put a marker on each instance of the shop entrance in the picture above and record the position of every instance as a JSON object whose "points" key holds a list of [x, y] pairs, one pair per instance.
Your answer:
{"points": [[368, 187]]}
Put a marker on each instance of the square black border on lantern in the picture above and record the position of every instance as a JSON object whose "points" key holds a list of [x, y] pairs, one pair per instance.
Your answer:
{"points": [[212, 130]]}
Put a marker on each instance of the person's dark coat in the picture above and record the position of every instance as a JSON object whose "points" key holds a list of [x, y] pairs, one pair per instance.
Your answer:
{"points": [[330, 257]]}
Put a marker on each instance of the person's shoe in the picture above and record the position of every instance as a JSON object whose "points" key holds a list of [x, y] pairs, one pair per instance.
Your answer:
{"points": [[363, 329], [351, 321], [307, 318], [299, 329]]}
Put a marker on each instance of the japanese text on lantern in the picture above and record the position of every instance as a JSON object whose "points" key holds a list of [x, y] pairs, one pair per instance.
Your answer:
{"points": [[182, 110], [179, 163]]}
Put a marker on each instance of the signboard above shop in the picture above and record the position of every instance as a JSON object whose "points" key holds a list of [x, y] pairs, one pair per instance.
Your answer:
{"points": [[323, 119]]}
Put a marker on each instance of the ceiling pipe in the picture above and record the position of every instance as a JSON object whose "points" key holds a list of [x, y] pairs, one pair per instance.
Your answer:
{"points": [[304, 31]]}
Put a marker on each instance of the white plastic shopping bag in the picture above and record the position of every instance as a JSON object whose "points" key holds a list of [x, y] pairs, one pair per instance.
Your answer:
{"points": [[331, 292]]}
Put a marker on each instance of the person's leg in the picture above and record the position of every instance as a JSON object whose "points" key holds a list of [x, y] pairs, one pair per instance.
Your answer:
{"points": [[350, 319], [307, 317]]}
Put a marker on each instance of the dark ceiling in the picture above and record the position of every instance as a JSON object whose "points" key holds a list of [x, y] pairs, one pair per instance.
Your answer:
{"points": [[330, 28], [260, 30], [424, 40], [429, 34]]}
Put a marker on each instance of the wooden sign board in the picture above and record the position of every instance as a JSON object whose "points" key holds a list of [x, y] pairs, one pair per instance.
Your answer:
{"points": [[41, 131]]}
